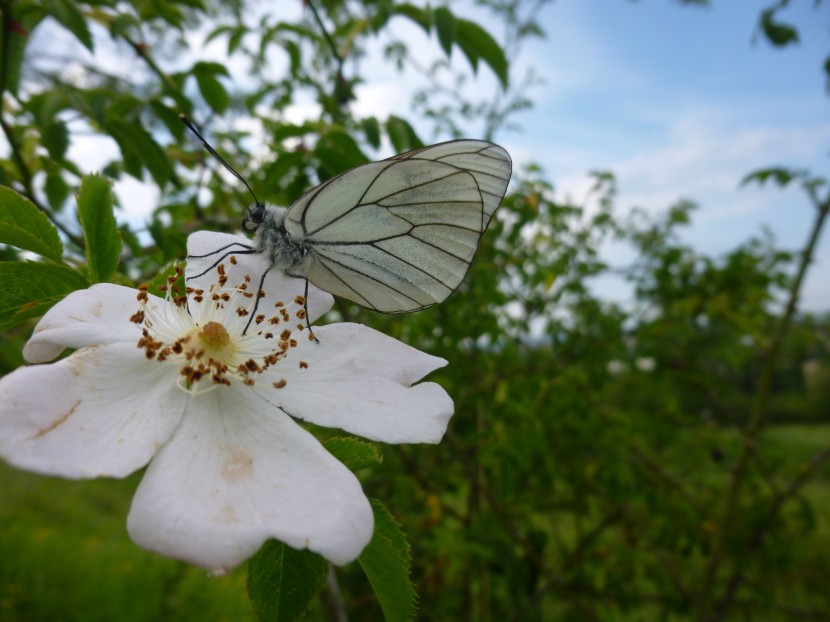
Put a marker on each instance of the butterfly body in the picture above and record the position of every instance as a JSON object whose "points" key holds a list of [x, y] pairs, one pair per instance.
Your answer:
{"points": [[282, 250]]}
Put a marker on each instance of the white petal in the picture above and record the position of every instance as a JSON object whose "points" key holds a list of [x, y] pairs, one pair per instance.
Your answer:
{"points": [[103, 411], [278, 287], [88, 317], [238, 472], [360, 380]]}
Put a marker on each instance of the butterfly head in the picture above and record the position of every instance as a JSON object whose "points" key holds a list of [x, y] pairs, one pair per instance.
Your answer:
{"points": [[253, 218]]}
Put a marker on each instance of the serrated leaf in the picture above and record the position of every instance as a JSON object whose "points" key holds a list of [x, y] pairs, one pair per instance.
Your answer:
{"points": [[214, 93], [23, 225], [354, 453], [283, 581], [445, 26], [28, 289], [402, 134], [68, 15], [387, 563], [103, 240], [476, 43]]}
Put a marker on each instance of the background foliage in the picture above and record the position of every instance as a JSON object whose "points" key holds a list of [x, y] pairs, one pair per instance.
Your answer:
{"points": [[665, 459]]}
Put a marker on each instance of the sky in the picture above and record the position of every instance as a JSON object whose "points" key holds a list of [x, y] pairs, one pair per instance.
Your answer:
{"points": [[681, 103], [678, 102]]}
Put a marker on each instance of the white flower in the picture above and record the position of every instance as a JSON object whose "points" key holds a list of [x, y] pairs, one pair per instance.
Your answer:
{"points": [[178, 385]]}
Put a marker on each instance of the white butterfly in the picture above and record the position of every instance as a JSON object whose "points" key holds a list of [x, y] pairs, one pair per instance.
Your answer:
{"points": [[393, 236]]}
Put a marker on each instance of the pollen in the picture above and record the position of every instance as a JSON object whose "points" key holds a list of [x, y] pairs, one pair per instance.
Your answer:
{"points": [[202, 334]]}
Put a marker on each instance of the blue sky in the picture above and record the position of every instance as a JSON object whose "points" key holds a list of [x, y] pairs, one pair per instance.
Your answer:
{"points": [[679, 102]]}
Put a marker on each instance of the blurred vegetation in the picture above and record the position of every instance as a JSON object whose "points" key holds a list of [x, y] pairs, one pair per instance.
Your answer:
{"points": [[663, 459]]}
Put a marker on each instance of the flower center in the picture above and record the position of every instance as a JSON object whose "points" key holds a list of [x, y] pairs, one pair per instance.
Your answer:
{"points": [[209, 336], [216, 342]]}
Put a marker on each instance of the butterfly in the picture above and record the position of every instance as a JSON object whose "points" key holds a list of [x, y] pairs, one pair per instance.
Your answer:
{"points": [[394, 236]]}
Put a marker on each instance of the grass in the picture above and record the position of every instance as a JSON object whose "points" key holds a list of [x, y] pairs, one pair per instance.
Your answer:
{"points": [[65, 554]]}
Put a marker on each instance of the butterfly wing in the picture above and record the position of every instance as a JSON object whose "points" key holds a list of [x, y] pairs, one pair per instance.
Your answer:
{"points": [[398, 235], [488, 163]]}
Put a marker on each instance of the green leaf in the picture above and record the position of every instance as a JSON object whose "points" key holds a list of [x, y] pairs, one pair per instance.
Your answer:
{"points": [[476, 43], [778, 175], [371, 129], [416, 14], [23, 225], [283, 581], [122, 24], [55, 137], [23, 20], [169, 117], [28, 289], [290, 130], [208, 68], [445, 25], [68, 15], [56, 188], [354, 453], [214, 93], [386, 562], [777, 33], [218, 32], [338, 152], [139, 149], [160, 279], [103, 240], [402, 134]]}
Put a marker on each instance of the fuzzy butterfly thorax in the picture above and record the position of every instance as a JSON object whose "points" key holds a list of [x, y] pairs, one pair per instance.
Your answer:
{"points": [[283, 251]]}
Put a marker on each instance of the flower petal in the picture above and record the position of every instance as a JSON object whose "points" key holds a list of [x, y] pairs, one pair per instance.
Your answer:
{"points": [[203, 250], [238, 472], [103, 411], [360, 380], [95, 316]]}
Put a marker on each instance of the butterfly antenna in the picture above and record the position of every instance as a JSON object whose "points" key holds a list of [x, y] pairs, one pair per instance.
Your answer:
{"points": [[212, 152]]}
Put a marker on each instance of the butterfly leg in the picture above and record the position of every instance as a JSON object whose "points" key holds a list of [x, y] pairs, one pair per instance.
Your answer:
{"points": [[259, 295], [307, 320], [245, 250]]}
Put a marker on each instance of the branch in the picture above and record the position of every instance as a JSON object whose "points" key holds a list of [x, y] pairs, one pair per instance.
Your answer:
{"points": [[757, 416]]}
